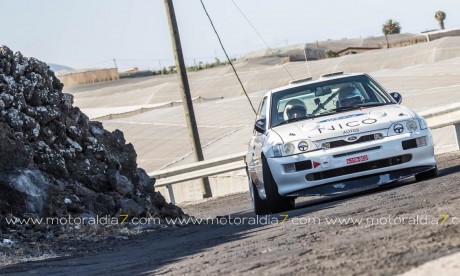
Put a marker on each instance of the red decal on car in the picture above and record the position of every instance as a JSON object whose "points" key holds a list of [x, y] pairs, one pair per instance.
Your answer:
{"points": [[316, 164]]}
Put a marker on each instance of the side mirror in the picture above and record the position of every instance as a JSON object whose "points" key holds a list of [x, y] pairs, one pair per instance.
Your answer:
{"points": [[397, 97], [259, 126]]}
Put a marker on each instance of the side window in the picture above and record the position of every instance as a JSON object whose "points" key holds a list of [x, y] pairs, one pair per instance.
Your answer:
{"points": [[373, 92], [262, 113]]}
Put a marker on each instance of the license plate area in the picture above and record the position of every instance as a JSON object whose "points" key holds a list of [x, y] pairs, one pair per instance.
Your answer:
{"points": [[358, 159]]}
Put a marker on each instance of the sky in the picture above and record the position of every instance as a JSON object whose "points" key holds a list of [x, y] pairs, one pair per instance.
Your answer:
{"points": [[91, 33]]}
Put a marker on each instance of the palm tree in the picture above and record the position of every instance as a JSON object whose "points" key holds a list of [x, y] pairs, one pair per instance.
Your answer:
{"points": [[391, 27], [440, 17]]}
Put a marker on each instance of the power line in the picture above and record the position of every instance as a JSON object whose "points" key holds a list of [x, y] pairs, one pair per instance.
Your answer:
{"points": [[266, 44], [231, 63]]}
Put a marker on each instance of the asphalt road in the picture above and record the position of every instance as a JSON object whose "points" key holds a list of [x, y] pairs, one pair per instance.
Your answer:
{"points": [[381, 232]]}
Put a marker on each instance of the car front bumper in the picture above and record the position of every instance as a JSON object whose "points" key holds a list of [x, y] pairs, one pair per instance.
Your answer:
{"points": [[329, 166]]}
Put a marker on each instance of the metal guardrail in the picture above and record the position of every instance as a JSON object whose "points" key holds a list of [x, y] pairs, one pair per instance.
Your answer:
{"points": [[442, 116], [444, 110], [168, 177]]}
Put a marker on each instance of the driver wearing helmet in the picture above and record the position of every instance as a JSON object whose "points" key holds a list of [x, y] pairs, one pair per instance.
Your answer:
{"points": [[349, 96], [295, 108]]}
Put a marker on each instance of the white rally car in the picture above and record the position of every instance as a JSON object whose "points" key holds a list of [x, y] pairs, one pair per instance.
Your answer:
{"points": [[340, 133]]}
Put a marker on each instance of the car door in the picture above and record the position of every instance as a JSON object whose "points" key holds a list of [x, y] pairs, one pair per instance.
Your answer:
{"points": [[257, 143]]}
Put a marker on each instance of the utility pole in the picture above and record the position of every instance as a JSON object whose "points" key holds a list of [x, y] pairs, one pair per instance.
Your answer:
{"points": [[306, 59], [318, 53], [185, 93], [114, 61]]}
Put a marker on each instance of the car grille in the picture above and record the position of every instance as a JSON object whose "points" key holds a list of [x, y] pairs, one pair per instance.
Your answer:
{"points": [[356, 152], [368, 166], [342, 143]]}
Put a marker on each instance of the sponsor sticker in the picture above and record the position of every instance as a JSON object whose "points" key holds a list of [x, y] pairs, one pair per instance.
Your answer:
{"points": [[325, 162], [342, 117], [357, 159]]}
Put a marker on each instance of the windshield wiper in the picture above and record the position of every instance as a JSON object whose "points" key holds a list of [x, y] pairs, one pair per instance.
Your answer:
{"points": [[346, 108], [294, 120]]}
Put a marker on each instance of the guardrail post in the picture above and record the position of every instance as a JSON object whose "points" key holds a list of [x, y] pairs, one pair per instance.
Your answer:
{"points": [[457, 134], [171, 194]]}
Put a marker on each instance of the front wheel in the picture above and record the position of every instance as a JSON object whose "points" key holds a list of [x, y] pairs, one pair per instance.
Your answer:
{"points": [[276, 203], [259, 205]]}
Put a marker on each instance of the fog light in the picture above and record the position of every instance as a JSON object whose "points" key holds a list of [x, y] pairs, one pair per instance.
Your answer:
{"points": [[289, 168], [326, 145], [378, 136], [411, 126], [288, 148], [421, 141]]}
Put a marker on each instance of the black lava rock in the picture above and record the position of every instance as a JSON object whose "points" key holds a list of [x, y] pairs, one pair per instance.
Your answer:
{"points": [[55, 161]]}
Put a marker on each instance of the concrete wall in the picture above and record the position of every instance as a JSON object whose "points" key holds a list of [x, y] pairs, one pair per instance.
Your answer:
{"points": [[402, 42], [446, 139], [221, 185], [442, 33], [84, 77]]}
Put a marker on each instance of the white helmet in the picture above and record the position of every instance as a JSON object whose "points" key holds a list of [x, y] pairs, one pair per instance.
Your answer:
{"points": [[295, 108], [349, 96]]}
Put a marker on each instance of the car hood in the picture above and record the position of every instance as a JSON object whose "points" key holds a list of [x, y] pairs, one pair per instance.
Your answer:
{"points": [[343, 124]]}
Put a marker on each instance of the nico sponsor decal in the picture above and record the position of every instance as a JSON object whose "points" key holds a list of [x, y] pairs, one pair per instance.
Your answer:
{"points": [[351, 124], [342, 118]]}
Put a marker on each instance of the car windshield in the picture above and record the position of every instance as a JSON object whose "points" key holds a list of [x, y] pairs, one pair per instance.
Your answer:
{"points": [[325, 98]]}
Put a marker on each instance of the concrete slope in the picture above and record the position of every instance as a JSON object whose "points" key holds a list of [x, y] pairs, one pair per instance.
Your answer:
{"points": [[161, 137], [256, 75], [426, 74]]}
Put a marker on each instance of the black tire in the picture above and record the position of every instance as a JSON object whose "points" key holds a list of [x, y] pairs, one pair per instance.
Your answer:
{"points": [[427, 175], [259, 205], [275, 202]]}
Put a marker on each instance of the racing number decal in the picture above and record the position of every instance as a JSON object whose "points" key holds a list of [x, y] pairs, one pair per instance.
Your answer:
{"points": [[349, 124]]}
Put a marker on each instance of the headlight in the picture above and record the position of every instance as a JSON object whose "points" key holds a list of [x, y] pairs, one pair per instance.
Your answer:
{"points": [[278, 150], [423, 124], [288, 148], [402, 127], [293, 148], [411, 126]]}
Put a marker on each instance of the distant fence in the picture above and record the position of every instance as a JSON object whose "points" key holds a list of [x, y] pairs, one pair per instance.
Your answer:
{"points": [[91, 76]]}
